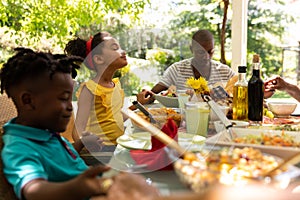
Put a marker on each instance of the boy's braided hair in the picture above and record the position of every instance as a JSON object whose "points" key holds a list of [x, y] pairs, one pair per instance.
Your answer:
{"points": [[27, 64]]}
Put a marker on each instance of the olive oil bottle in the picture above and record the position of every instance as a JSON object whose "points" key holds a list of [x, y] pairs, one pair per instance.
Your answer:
{"points": [[240, 96]]}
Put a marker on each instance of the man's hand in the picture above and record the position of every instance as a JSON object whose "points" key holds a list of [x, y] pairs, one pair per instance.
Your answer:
{"points": [[145, 97]]}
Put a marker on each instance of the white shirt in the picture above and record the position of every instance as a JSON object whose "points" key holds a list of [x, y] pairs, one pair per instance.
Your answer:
{"points": [[179, 72]]}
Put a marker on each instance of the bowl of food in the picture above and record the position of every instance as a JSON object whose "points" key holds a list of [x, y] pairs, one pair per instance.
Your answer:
{"points": [[160, 115], [167, 101], [227, 166], [282, 109], [168, 98]]}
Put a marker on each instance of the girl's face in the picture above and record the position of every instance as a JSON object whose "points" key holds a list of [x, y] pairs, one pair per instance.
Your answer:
{"points": [[112, 53], [53, 105]]}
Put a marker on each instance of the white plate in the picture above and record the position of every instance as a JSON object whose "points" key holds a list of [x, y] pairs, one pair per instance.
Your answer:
{"points": [[142, 140], [223, 139], [134, 143], [219, 126]]}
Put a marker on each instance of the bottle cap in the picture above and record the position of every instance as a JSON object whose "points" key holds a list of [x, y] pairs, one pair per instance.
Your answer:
{"points": [[256, 58], [242, 69]]}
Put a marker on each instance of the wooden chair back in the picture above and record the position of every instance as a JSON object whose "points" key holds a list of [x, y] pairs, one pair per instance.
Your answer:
{"points": [[7, 111]]}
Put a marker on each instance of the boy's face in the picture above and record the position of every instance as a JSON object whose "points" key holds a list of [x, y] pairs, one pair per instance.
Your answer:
{"points": [[52, 102]]}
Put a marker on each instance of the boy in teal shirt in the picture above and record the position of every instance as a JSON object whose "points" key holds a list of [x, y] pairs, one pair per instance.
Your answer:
{"points": [[37, 161]]}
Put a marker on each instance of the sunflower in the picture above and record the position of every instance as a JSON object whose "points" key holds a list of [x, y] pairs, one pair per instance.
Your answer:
{"points": [[200, 85]]}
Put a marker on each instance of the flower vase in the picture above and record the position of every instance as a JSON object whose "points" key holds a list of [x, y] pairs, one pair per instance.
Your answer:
{"points": [[196, 98]]}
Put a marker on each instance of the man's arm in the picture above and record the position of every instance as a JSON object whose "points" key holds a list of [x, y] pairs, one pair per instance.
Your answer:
{"points": [[158, 88], [146, 97]]}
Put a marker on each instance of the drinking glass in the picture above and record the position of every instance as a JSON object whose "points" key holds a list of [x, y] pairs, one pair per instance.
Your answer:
{"points": [[197, 118], [183, 98]]}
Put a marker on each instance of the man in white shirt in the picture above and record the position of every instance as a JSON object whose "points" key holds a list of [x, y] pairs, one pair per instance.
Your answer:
{"points": [[201, 64]]}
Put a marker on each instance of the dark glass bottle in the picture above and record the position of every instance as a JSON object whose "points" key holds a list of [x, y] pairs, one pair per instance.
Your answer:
{"points": [[240, 96], [255, 93]]}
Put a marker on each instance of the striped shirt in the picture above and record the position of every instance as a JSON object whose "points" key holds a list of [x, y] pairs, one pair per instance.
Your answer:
{"points": [[179, 72]]}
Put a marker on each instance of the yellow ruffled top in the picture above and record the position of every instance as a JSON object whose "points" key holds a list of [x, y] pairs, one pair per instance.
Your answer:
{"points": [[105, 119]]}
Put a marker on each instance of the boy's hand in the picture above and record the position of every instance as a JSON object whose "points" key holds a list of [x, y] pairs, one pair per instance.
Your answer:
{"points": [[91, 142], [90, 182]]}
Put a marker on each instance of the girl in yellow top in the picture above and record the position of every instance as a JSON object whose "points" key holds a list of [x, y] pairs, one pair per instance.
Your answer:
{"points": [[100, 99]]}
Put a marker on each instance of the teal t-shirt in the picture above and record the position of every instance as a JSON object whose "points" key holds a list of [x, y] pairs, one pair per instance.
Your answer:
{"points": [[31, 153]]}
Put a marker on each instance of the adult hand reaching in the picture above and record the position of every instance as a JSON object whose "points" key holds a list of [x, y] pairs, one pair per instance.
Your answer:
{"points": [[269, 90], [279, 83], [276, 83]]}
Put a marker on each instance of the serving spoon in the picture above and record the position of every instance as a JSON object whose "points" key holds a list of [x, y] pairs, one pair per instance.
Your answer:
{"points": [[144, 110], [294, 159]]}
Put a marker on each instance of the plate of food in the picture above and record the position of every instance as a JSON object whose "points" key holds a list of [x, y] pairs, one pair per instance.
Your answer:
{"points": [[276, 142], [232, 167], [219, 126]]}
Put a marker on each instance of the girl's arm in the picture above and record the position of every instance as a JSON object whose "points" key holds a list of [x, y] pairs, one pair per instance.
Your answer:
{"points": [[84, 103]]}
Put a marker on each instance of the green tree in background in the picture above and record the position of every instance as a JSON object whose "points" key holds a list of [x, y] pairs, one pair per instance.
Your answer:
{"points": [[32, 21], [48, 25], [208, 14], [266, 28]]}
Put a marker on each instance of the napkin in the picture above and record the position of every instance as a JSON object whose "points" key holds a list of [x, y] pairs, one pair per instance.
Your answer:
{"points": [[157, 158]]}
